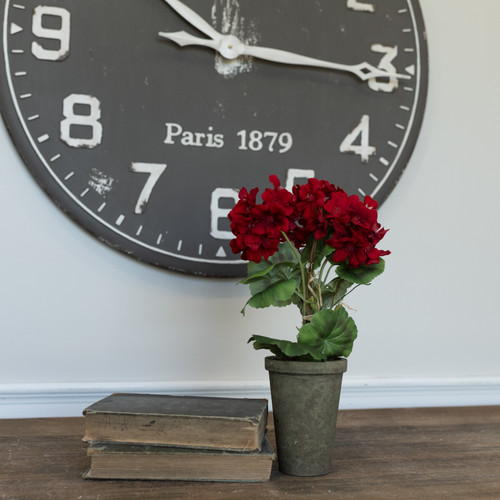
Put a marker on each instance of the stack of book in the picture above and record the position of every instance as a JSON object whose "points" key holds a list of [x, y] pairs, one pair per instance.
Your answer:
{"points": [[190, 438]]}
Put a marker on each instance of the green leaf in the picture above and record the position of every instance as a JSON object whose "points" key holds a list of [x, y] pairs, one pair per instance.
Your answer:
{"points": [[284, 259], [361, 275], [284, 254], [331, 332], [257, 272], [278, 294], [280, 348], [273, 282], [334, 292]]}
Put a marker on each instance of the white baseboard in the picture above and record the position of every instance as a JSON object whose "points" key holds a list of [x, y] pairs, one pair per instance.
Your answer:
{"points": [[68, 400]]}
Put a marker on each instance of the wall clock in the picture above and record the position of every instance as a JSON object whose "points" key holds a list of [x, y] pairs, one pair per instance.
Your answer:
{"points": [[143, 118]]}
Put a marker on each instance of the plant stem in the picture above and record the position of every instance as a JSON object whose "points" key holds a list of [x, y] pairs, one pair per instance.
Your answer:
{"points": [[302, 273], [320, 280], [310, 279]]}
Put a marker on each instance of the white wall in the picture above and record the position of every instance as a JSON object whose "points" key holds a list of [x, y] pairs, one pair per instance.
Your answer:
{"points": [[79, 320]]}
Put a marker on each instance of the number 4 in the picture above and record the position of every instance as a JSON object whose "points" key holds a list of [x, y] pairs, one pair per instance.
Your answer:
{"points": [[363, 148]]}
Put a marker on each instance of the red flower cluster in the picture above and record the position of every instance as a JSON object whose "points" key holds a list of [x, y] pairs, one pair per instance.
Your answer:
{"points": [[317, 209]]}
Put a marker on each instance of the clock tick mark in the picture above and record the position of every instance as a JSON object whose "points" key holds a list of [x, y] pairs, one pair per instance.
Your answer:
{"points": [[120, 219], [33, 117], [84, 192], [374, 177], [139, 230], [410, 69], [159, 239], [20, 73], [399, 126], [221, 253], [71, 174], [179, 245], [14, 29], [43, 138], [25, 96], [200, 249], [55, 157], [404, 108], [18, 6], [361, 192], [392, 144], [17, 51], [101, 208], [384, 161]]}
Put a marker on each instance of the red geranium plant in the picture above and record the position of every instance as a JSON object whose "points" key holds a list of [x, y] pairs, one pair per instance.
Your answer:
{"points": [[293, 241]]}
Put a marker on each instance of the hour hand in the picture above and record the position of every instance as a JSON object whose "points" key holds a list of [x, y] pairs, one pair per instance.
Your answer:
{"points": [[227, 46], [182, 38]]}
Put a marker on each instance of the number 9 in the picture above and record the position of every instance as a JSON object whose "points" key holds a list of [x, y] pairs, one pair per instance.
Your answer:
{"points": [[61, 33], [285, 140]]}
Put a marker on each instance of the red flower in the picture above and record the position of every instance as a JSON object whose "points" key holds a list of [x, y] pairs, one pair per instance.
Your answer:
{"points": [[317, 209], [258, 227], [310, 208], [356, 232]]}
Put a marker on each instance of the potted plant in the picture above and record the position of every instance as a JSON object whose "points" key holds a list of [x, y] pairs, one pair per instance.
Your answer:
{"points": [[309, 247]]}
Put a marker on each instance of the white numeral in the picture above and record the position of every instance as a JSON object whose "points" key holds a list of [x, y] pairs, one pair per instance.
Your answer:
{"points": [[88, 120], [217, 212], [255, 140], [154, 170], [360, 6], [297, 173], [390, 52], [362, 130], [61, 33]]}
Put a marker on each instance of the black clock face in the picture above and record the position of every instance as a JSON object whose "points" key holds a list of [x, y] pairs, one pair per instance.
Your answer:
{"points": [[145, 142]]}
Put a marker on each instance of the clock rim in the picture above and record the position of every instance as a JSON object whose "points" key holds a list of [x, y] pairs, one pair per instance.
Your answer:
{"points": [[143, 252]]}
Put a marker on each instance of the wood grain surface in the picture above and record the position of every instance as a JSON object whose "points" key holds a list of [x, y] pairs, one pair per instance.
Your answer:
{"points": [[423, 453]]}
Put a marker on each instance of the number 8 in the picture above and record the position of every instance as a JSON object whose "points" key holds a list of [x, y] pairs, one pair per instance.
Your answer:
{"points": [[88, 120]]}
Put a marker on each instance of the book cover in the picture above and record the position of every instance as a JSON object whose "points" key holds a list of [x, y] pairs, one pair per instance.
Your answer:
{"points": [[185, 421], [121, 461]]}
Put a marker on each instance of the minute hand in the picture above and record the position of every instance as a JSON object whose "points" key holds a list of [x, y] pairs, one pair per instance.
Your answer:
{"points": [[363, 70], [194, 19]]}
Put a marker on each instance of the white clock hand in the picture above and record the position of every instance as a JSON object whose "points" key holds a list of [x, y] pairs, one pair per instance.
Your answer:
{"points": [[364, 71], [231, 47], [228, 45], [194, 19]]}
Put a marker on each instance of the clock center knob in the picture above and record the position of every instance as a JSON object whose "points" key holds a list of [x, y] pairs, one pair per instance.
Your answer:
{"points": [[230, 47]]}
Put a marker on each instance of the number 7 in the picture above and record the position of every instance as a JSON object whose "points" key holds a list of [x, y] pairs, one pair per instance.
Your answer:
{"points": [[273, 136], [154, 170]]}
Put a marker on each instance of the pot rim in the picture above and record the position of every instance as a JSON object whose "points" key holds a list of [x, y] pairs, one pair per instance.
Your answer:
{"points": [[330, 367]]}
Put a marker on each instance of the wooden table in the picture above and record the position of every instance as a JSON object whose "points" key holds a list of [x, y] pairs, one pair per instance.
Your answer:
{"points": [[425, 453]]}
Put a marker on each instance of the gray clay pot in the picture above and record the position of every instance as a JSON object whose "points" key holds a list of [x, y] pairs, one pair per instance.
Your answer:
{"points": [[305, 397]]}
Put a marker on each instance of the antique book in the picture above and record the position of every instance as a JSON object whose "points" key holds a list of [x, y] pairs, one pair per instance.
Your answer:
{"points": [[124, 461], [185, 421]]}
